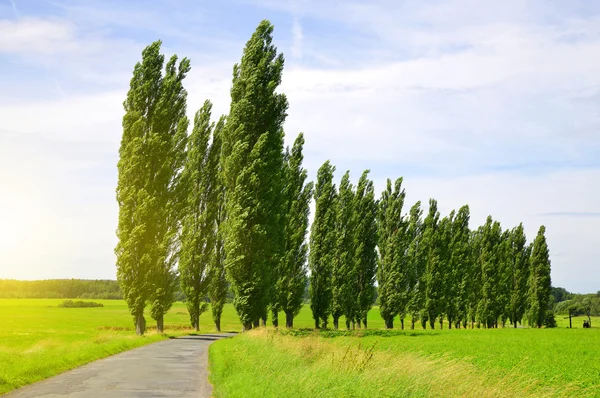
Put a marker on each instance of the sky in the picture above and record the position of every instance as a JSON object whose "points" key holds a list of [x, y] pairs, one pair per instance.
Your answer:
{"points": [[487, 103]]}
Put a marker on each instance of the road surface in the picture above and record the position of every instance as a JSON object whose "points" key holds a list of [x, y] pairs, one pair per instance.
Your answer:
{"points": [[170, 368]]}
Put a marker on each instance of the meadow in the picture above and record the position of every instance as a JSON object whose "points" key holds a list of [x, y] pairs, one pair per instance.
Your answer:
{"points": [[378, 363], [38, 339]]}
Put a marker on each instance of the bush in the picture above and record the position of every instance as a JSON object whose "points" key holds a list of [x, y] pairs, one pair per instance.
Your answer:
{"points": [[550, 321], [79, 304]]}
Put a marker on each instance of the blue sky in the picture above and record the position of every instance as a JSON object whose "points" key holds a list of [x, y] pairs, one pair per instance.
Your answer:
{"points": [[494, 104]]}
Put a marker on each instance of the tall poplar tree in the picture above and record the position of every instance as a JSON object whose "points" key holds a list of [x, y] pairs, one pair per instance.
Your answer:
{"points": [[540, 284], [461, 266], [392, 274], [415, 263], [488, 308], [519, 266], [343, 277], [447, 288], [217, 283], [292, 272], [365, 242], [152, 154], [322, 245], [252, 157], [433, 268]]}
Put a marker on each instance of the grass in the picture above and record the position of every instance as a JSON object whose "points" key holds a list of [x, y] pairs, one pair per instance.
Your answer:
{"points": [[38, 339], [499, 362]]}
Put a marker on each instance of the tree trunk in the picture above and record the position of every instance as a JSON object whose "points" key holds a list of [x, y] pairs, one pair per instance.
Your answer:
{"points": [[449, 324], [218, 324], [317, 324], [324, 325], [358, 325], [441, 322], [160, 323], [289, 320], [263, 320], [140, 324], [196, 326], [353, 325], [246, 327], [365, 322], [402, 323], [335, 322], [347, 324], [275, 318], [256, 322], [412, 324], [389, 323], [432, 323]]}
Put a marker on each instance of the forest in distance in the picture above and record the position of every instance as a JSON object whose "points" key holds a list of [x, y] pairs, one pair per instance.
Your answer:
{"points": [[227, 207]]}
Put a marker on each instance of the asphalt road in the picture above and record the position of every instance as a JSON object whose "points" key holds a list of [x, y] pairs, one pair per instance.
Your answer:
{"points": [[170, 368]]}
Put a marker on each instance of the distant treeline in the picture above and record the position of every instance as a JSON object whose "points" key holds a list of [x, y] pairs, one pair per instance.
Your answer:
{"points": [[61, 288]]}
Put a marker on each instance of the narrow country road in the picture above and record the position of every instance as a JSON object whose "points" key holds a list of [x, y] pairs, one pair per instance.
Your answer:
{"points": [[170, 368]]}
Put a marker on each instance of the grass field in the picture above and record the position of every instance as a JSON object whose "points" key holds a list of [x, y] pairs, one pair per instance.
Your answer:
{"points": [[488, 363], [38, 339]]}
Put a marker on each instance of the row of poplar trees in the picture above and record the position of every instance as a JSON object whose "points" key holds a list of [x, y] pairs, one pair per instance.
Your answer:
{"points": [[226, 206], [426, 269]]}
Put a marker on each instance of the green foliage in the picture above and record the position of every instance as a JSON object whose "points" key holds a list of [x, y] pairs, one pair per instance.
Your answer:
{"points": [[416, 263], [322, 245], [61, 288], [365, 242], [79, 304], [392, 272], [518, 265], [217, 282], [291, 274], [550, 320], [198, 232], [252, 161], [152, 153], [539, 280], [343, 275], [461, 267], [433, 277]]}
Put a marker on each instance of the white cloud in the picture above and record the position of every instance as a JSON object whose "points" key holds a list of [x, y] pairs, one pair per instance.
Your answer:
{"points": [[36, 36]]}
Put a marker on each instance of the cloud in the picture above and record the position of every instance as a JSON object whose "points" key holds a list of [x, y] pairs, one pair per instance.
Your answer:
{"points": [[584, 214], [297, 39], [36, 36]]}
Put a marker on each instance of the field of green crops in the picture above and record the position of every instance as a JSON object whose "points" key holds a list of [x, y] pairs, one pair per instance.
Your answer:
{"points": [[38, 339]]}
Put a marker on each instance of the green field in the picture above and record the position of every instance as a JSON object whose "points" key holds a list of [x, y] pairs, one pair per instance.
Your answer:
{"points": [[38, 340], [501, 362]]}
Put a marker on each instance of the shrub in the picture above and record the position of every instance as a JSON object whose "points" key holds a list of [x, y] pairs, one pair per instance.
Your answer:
{"points": [[550, 321], [79, 304]]}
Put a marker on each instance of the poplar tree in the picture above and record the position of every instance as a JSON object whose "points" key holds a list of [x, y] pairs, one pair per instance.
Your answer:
{"points": [[217, 283], [461, 265], [252, 157], [519, 266], [392, 273], [152, 153], [322, 245], [198, 232], [343, 276], [433, 267], [540, 284], [415, 263], [365, 242], [488, 308], [292, 273], [447, 288]]}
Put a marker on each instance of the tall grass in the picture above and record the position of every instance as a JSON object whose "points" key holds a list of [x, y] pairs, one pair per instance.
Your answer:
{"points": [[268, 363]]}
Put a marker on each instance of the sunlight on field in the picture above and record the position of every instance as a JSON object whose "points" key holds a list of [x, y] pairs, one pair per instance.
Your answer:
{"points": [[477, 362], [39, 339]]}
